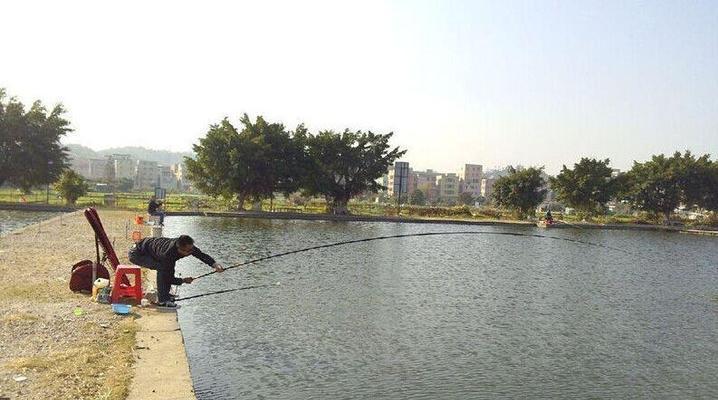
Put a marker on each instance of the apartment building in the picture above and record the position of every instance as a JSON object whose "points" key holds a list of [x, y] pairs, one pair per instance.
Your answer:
{"points": [[124, 166], [470, 176], [146, 174], [166, 177], [426, 182], [398, 179], [96, 168], [448, 187]]}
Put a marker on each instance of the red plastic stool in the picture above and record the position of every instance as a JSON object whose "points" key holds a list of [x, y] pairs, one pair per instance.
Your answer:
{"points": [[121, 285]]}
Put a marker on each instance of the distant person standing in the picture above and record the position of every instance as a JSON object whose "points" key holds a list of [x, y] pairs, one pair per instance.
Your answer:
{"points": [[153, 208], [549, 217]]}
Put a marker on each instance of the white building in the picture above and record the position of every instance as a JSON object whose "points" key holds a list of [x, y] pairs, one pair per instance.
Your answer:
{"points": [[146, 174], [96, 168], [125, 166], [167, 178], [487, 187], [179, 171]]}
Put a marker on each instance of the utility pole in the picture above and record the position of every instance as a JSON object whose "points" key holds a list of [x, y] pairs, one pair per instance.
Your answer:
{"points": [[401, 182], [47, 189], [398, 196]]}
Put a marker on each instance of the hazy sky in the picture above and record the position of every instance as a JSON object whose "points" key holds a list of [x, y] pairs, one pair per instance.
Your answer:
{"points": [[494, 82]]}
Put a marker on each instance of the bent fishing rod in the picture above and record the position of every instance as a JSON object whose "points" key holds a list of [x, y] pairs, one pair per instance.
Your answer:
{"points": [[324, 246], [225, 291]]}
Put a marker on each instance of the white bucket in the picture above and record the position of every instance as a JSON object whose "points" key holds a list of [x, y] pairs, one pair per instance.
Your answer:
{"points": [[101, 282]]}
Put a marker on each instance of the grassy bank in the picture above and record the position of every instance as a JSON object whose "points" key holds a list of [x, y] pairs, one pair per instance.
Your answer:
{"points": [[185, 202]]}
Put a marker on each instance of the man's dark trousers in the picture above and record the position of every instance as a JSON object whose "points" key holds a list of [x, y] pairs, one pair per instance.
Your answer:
{"points": [[165, 274]]}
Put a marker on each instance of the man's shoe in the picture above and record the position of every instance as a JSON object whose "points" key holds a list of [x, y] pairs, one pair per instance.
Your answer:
{"points": [[167, 304]]}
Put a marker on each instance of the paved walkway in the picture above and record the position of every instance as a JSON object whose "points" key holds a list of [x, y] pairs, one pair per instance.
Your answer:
{"points": [[161, 370]]}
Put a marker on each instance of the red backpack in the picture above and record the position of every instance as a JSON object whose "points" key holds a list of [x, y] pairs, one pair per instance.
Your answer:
{"points": [[81, 275]]}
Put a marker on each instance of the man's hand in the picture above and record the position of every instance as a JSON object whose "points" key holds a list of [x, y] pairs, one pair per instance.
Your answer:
{"points": [[188, 279], [218, 267]]}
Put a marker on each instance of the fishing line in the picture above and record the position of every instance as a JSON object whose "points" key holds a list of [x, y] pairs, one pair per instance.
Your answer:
{"points": [[225, 291], [383, 238], [324, 246]]}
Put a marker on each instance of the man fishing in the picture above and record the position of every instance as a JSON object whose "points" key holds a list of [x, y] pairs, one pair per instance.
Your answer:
{"points": [[549, 217], [154, 209], [161, 254]]}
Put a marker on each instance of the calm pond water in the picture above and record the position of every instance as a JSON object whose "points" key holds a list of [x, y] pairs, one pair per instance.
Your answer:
{"points": [[450, 317], [11, 220]]}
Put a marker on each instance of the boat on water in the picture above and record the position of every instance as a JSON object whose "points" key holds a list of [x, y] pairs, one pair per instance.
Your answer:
{"points": [[546, 224], [553, 224]]}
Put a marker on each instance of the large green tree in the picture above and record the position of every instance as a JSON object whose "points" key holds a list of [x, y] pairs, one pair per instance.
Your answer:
{"points": [[30, 149], [587, 187], [343, 165], [467, 199], [711, 198], [251, 164], [417, 198], [696, 179], [654, 186], [710, 202], [522, 190], [663, 183]]}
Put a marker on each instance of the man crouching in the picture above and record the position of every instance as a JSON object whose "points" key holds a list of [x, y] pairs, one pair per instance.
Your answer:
{"points": [[161, 254]]}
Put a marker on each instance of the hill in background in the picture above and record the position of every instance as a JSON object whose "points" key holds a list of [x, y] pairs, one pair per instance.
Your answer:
{"points": [[163, 157]]}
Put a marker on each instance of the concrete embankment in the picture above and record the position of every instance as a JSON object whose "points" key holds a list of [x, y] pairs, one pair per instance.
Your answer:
{"points": [[161, 370], [363, 218], [701, 232], [630, 227], [445, 221]]}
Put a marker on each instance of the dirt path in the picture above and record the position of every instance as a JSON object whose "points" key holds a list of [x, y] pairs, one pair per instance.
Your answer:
{"points": [[55, 344]]}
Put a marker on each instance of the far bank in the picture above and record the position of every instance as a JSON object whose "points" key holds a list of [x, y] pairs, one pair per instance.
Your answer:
{"points": [[313, 216]]}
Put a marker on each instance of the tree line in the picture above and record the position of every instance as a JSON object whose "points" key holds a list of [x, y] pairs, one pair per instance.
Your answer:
{"points": [[258, 159], [657, 186]]}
